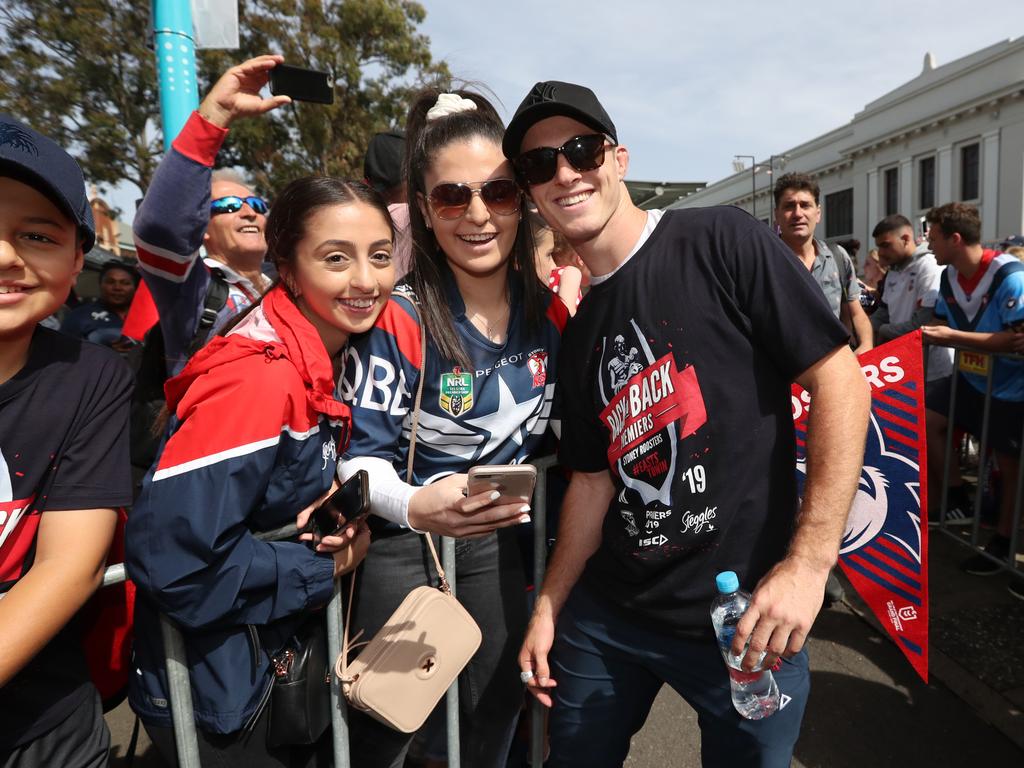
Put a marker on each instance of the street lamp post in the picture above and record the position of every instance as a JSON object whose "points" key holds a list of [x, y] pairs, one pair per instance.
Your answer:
{"points": [[753, 180], [781, 160]]}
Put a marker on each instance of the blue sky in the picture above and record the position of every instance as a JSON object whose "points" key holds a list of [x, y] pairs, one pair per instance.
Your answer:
{"points": [[690, 84]]}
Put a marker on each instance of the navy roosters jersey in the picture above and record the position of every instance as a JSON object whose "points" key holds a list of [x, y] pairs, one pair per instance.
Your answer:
{"points": [[496, 413], [991, 301]]}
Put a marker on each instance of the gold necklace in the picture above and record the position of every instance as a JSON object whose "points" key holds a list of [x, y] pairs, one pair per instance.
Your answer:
{"points": [[488, 329]]}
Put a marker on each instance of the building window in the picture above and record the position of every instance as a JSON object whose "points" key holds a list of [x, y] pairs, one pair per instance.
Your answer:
{"points": [[926, 182], [839, 213], [892, 191], [970, 162]]}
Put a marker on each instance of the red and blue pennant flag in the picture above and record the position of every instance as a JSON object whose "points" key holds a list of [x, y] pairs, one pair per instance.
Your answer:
{"points": [[884, 551]]}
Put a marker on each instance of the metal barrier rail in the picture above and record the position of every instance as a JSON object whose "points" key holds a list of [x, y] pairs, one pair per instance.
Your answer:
{"points": [[186, 738], [1009, 562]]}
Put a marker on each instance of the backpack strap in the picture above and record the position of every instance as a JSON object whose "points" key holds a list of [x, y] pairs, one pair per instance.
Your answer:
{"points": [[213, 303]]}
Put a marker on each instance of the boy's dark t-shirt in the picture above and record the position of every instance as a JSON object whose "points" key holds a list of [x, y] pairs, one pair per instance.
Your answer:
{"points": [[63, 446], [675, 376]]}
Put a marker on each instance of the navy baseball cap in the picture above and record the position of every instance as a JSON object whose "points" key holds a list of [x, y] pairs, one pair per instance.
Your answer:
{"points": [[551, 98], [38, 161]]}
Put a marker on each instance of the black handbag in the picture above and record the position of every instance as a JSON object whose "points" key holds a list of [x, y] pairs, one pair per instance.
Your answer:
{"points": [[300, 703]]}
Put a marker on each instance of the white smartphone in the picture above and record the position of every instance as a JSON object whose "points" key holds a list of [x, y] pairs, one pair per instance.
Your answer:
{"points": [[507, 479]]}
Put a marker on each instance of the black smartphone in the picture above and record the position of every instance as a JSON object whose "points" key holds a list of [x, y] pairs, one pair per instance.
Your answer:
{"points": [[350, 504], [301, 84]]}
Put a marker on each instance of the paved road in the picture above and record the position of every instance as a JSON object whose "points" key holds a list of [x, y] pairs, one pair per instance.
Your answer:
{"points": [[867, 706]]}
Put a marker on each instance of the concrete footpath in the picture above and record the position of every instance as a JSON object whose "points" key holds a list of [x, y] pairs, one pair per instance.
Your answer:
{"points": [[867, 707]]}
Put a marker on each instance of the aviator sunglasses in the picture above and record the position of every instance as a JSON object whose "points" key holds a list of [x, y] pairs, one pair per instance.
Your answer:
{"points": [[584, 153], [452, 200], [233, 203]]}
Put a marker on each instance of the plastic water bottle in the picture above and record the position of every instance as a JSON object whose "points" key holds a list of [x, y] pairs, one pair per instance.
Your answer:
{"points": [[754, 694]]}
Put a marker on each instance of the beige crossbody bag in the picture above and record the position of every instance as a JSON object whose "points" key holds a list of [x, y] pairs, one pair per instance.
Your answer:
{"points": [[403, 672]]}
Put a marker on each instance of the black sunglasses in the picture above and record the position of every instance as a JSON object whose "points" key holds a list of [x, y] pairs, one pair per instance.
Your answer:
{"points": [[451, 200], [233, 203], [538, 166]]}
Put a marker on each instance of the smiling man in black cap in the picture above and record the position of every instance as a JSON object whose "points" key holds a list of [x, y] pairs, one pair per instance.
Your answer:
{"points": [[63, 460], [683, 460]]}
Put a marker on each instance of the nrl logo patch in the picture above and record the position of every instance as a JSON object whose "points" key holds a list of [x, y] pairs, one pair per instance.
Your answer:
{"points": [[456, 392]]}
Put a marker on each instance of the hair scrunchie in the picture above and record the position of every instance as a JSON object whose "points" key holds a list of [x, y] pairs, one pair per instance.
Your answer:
{"points": [[449, 104]]}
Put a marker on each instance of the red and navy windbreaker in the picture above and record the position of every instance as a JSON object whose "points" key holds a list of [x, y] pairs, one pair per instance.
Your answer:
{"points": [[254, 439]]}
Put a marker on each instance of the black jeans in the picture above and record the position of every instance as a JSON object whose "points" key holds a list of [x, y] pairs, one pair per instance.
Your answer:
{"points": [[491, 585]]}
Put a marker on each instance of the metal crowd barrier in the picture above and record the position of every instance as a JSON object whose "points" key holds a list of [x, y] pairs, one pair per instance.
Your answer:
{"points": [[1009, 562], [186, 738]]}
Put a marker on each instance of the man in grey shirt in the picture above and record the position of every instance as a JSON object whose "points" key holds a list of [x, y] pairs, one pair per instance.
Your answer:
{"points": [[798, 212]]}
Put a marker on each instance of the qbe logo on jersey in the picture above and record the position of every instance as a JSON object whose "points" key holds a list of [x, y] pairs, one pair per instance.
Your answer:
{"points": [[456, 392]]}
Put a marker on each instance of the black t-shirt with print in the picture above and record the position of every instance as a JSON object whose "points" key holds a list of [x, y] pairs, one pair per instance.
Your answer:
{"points": [[63, 446], [676, 375]]}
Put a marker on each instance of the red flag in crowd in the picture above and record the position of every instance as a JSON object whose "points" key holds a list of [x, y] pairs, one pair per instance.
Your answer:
{"points": [[142, 315], [884, 551]]}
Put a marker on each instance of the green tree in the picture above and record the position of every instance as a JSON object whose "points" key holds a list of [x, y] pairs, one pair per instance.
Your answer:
{"points": [[85, 74], [82, 73], [372, 53]]}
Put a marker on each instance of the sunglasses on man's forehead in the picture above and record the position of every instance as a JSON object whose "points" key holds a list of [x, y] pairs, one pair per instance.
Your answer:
{"points": [[584, 153], [451, 200], [233, 203]]}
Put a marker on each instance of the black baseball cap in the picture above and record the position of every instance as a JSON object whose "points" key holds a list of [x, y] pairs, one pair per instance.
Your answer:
{"points": [[551, 98], [382, 165], [38, 161]]}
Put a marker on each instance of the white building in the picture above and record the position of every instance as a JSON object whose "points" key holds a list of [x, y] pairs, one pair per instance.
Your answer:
{"points": [[954, 132]]}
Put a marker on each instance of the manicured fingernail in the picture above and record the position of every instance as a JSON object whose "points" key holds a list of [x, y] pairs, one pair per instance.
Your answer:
{"points": [[524, 508], [524, 519], [494, 496]]}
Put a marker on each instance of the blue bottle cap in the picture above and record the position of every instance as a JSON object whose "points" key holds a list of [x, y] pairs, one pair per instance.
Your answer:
{"points": [[727, 582]]}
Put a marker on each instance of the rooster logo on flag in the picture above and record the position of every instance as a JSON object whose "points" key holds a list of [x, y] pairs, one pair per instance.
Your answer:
{"points": [[884, 547]]}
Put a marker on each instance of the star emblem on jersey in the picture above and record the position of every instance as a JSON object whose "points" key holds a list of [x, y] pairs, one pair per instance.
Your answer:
{"points": [[509, 419]]}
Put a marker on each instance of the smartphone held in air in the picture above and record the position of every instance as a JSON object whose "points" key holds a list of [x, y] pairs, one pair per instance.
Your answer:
{"points": [[346, 506], [301, 84], [508, 479]]}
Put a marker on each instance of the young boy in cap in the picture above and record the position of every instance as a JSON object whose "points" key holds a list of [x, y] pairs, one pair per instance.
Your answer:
{"points": [[675, 388], [63, 460]]}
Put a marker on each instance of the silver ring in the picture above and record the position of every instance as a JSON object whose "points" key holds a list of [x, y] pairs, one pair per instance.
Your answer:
{"points": [[526, 675]]}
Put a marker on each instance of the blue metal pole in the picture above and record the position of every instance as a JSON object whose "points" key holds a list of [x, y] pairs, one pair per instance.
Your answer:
{"points": [[175, 64]]}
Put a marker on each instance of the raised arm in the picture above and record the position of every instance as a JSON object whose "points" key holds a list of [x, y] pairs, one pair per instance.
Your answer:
{"points": [[174, 214]]}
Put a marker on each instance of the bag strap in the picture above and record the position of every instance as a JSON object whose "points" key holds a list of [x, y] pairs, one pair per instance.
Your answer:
{"points": [[216, 297], [342, 666]]}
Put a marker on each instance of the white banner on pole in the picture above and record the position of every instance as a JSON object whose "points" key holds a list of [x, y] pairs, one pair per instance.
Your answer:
{"points": [[215, 23]]}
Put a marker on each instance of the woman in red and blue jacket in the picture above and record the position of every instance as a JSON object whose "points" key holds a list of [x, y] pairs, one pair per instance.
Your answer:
{"points": [[254, 437]]}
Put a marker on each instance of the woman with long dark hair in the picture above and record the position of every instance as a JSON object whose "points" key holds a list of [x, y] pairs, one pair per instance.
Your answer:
{"points": [[492, 334], [254, 436]]}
